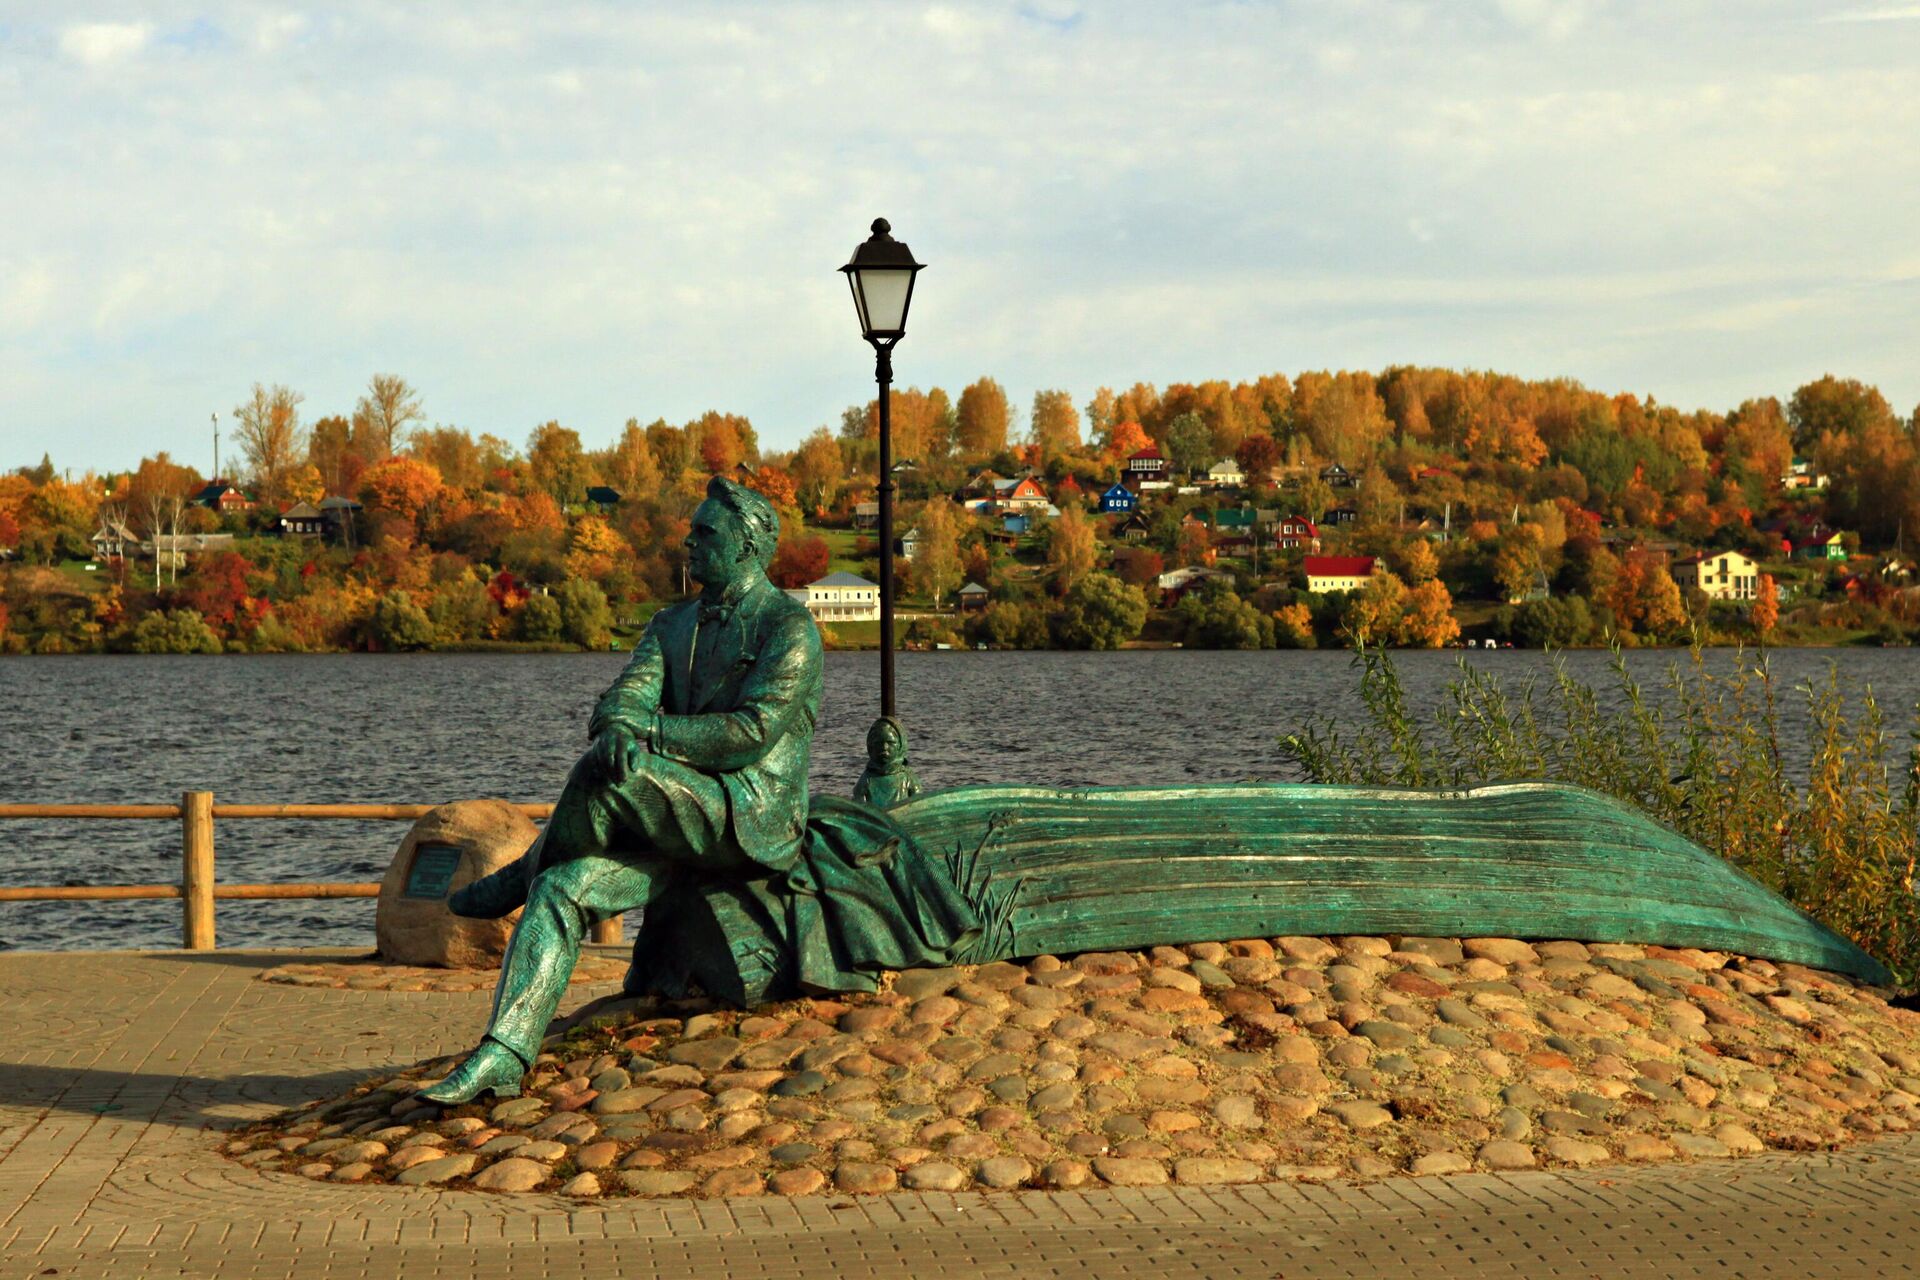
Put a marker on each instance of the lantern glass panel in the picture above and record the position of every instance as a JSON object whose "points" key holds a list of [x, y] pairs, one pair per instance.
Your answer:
{"points": [[884, 292]]}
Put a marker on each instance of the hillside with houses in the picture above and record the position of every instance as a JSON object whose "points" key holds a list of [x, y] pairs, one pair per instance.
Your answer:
{"points": [[1415, 507]]}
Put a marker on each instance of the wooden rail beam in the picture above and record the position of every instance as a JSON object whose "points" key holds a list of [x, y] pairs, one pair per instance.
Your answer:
{"points": [[89, 811], [86, 892], [334, 889], [367, 812]]}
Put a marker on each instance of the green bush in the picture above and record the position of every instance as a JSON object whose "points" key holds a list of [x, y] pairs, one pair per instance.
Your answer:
{"points": [[174, 631], [397, 623], [1100, 612], [540, 619], [1706, 758], [585, 618]]}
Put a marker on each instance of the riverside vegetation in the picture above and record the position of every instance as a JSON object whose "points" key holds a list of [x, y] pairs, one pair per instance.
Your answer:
{"points": [[1496, 506], [1705, 755]]}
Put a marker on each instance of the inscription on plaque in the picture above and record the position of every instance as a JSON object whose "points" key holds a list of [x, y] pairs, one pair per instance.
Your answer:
{"points": [[432, 872]]}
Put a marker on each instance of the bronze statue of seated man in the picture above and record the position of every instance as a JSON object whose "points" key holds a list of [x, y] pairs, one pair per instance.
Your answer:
{"points": [[692, 803]]}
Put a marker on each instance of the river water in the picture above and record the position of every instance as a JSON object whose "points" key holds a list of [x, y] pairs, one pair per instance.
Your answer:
{"points": [[435, 727]]}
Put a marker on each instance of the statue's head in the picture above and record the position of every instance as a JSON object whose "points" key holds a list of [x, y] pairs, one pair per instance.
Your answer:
{"points": [[734, 533], [886, 744]]}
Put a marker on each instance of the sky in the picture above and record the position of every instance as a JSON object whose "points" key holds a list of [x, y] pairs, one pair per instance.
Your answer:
{"points": [[593, 212]]}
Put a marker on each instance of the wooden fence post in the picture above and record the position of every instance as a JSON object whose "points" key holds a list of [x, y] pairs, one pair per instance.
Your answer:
{"points": [[196, 870], [606, 931]]}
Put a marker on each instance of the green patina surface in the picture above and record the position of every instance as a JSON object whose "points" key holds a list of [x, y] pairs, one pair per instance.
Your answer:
{"points": [[1056, 871]]}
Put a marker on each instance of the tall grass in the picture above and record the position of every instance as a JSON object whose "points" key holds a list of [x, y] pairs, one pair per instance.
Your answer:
{"points": [[1702, 753]]}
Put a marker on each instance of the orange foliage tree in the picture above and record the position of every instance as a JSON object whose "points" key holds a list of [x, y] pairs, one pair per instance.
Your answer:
{"points": [[405, 487]]}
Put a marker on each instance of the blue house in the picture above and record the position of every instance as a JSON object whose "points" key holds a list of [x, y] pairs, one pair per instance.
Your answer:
{"points": [[1118, 498], [1015, 522]]}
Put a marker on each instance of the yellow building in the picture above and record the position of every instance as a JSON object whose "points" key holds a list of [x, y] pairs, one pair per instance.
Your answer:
{"points": [[1721, 575], [1338, 573]]}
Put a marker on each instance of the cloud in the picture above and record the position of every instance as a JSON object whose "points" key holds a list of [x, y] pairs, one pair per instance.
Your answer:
{"points": [[99, 44], [621, 210], [1886, 13]]}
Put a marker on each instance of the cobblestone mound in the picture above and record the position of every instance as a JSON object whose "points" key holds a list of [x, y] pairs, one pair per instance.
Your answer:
{"points": [[1247, 1061]]}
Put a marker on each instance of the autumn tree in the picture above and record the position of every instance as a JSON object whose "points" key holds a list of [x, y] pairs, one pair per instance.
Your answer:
{"points": [[630, 466], [1837, 407], [1071, 551], [1372, 615], [1189, 443], [1193, 545], [406, 487], [1125, 440], [798, 560], [983, 418], [936, 564], [1055, 423], [330, 452], [1664, 611], [459, 459], [672, 451], [1426, 617], [1416, 560], [818, 468], [1100, 612], [721, 448], [1257, 455], [1140, 566], [595, 549], [160, 476], [381, 416], [1517, 561], [556, 463], [267, 425], [1765, 612]]}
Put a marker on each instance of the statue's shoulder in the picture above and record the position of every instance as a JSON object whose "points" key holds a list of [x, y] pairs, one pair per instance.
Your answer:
{"points": [[777, 606], [670, 614]]}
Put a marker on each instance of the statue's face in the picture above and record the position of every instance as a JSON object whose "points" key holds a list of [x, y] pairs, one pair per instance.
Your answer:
{"points": [[884, 745], [718, 551]]}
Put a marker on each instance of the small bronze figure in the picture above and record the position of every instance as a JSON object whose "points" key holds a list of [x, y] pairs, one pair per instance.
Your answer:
{"points": [[887, 780]]}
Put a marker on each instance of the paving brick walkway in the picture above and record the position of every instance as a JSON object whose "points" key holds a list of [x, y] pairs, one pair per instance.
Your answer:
{"points": [[115, 1066]]}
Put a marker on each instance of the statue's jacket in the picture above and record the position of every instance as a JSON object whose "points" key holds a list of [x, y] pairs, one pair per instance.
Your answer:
{"points": [[844, 892]]}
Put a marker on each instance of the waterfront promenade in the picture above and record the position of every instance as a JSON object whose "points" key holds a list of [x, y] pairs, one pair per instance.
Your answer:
{"points": [[115, 1068]]}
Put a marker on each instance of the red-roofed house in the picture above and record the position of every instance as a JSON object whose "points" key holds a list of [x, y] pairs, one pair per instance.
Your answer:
{"points": [[1297, 533], [1338, 573]]}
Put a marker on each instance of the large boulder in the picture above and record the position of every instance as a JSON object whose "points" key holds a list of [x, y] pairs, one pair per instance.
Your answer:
{"points": [[453, 845]]}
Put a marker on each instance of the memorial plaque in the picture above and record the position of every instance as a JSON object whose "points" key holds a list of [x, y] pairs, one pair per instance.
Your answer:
{"points": [[432, 872]]}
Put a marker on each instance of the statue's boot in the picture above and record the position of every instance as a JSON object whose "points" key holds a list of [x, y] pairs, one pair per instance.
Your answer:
{"points": [[492, 1068], [500, 893], [533, 978]]}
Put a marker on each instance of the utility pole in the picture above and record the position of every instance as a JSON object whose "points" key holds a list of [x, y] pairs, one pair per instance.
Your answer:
{"points": [[216, 446]]}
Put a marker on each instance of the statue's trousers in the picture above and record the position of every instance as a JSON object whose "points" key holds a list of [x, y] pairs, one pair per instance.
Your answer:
{"points": [[609, 847]]}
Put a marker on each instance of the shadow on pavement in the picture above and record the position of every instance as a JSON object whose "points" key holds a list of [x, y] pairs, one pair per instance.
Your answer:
{"points": [[183, 1101]]}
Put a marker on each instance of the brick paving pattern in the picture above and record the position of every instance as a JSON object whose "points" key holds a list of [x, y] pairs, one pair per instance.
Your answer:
{"points": [[114, 1067]]}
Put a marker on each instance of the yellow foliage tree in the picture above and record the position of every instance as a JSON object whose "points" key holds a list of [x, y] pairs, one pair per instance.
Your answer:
{"points": [[595, 550], [1426, 618], [1070, 549]]}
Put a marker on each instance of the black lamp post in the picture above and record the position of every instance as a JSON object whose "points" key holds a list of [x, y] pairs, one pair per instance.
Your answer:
{"points": [[881, 275]]}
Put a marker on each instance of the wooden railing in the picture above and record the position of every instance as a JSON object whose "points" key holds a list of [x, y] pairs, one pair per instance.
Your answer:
{"points": [[198, 890]]}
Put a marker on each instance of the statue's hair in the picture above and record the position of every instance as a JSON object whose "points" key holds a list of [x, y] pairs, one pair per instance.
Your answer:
{"points": [[757, 515]]}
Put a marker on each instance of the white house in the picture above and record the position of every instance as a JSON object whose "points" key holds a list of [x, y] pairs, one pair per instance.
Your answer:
{"points": [[1226, 474], [841, 597], [1724, 575]]}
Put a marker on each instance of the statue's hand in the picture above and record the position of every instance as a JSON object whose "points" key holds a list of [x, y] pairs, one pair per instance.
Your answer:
{"points": [[619, 750]]}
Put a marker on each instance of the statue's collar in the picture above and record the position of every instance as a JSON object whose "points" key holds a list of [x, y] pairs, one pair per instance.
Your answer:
{"points": [[731, 594]]}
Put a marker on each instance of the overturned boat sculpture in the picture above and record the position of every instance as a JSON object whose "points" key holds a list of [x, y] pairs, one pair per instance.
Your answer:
{"points": [[1059, 871]]}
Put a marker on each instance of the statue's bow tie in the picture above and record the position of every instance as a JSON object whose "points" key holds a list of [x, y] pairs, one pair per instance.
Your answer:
{"points": [[710, 612]]}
